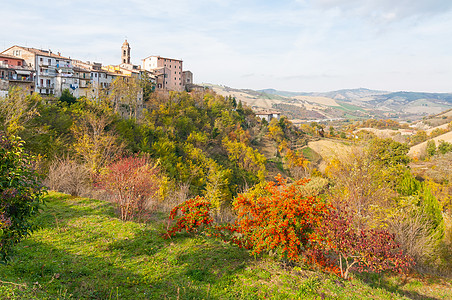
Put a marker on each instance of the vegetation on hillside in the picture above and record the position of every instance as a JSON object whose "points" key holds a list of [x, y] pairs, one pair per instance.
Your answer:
{"points": [[196, 159]]}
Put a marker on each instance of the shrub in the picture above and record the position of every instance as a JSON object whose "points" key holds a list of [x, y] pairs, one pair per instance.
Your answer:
{"points": [[431, 148], [357, 248], [67, 176], [413, 233], [280, 220], [20, 193], [193, 214], [444, 147], [134, 184]]}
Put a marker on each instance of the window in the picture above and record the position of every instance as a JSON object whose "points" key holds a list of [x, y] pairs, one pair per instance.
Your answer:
{"points": [[40, 59], [124, 52], [50, 61], [19, 63]]}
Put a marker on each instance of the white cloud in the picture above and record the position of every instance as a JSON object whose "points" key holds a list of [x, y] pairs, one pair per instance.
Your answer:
{"points": [[388, 10]]}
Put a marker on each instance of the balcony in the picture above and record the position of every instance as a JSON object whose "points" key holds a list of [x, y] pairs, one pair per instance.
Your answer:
{"points": [[49, 86], [22, 78], [48, 74], [45, 64], [60, 66]]}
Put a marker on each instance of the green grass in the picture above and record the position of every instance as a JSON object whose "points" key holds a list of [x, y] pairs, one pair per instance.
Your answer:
{"points": [[348, 107], [311, 155], [83, 251]]}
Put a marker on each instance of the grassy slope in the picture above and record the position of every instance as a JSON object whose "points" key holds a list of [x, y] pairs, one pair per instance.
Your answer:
{"points": [[82, 251], [417, 150]]}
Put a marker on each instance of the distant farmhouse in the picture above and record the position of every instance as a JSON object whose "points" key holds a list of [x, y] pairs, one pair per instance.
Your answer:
{"points": [[268, 115], [48, 73]]}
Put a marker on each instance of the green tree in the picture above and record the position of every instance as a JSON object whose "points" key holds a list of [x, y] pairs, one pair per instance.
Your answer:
{"points": [[67, 97], [431, 148], [389, 152], [444, 147]]}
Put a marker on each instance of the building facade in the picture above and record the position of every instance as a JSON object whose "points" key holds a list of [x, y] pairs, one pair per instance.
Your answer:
{"points": [[14, 71], [53, 72], [169, 67]]}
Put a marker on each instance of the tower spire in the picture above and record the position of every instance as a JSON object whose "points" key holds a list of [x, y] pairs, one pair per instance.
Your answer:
{"points": [[125, 53]]}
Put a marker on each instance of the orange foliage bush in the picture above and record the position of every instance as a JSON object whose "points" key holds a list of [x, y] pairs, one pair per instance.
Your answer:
{"points": [[189, 216], [281, 221]]}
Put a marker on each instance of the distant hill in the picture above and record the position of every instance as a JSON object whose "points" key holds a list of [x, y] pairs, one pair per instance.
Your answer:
{"points": [[346, 103]]}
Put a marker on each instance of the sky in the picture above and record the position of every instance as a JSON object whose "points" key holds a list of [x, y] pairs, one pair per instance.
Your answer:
{"points": [[292, 45]]}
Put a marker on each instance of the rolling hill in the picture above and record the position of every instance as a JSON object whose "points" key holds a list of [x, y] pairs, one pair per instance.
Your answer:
{"points": [[347, 104]]}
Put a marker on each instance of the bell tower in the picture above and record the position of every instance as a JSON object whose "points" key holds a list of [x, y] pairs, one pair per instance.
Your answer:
{"points": [[125, 53]]}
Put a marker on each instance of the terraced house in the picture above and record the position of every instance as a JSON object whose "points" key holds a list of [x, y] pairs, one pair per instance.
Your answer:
{"points": [[14, 71], [54, 72]]}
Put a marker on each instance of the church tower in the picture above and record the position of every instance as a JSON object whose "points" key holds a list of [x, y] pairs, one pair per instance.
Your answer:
{"points": [[125, 53]]}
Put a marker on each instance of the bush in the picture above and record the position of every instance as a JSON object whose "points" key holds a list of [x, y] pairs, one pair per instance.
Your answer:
{"points": [[67, 176], [193, 214], [280, 220], [444, 147], [20, 193], [358, 248], [134, 184]]}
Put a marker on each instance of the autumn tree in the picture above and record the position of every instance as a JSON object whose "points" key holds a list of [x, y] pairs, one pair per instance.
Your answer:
{"points": [[17, 110], [126, 92], [95, 140]]}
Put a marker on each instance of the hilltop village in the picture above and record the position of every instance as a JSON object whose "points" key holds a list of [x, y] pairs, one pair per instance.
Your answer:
{"points": [[48, 73]]}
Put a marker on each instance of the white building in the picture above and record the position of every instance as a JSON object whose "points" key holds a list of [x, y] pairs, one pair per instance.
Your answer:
{"points": [[268, 115], [54, 72]]}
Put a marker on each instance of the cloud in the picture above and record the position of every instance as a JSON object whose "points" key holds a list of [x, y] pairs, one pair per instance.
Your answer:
{"points": [[386, 10]]}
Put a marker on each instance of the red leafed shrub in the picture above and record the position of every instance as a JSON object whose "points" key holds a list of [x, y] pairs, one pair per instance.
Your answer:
{"points": [[282, 221], [357, 249], [190, 216], [133, 182]]}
